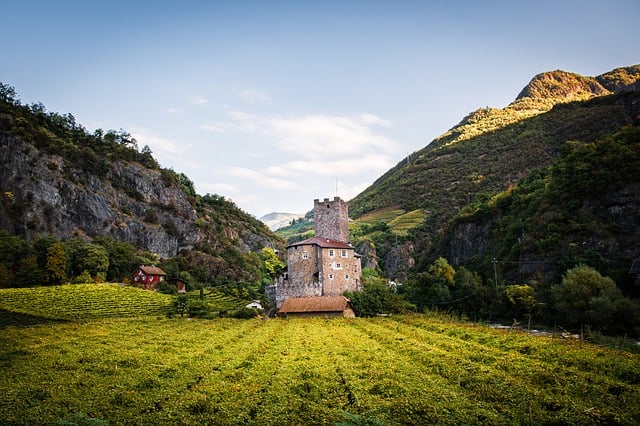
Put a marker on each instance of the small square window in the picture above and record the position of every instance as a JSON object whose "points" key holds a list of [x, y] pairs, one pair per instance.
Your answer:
{"points": [[331, 253], [305, 255], [330, 276], [337, 266], [346, 276], [343, 253]]}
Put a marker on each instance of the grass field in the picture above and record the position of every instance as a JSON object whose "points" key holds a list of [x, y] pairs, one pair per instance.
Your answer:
{"points": [[397, 370]]}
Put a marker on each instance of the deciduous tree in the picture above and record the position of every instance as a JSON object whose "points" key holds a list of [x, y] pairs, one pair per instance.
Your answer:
{"points": [[55, 272]]}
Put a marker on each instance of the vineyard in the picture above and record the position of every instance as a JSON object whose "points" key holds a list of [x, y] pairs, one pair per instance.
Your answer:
{"points": [[399, 221], [217, 300], [382, 371], [83, 301]]}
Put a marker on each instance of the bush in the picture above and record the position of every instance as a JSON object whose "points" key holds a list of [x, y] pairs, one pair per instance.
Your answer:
{"points": [[166, 288], [83, 278], [198, 309], [81, 419], [244, 313], [180, 305], [377, 297]]}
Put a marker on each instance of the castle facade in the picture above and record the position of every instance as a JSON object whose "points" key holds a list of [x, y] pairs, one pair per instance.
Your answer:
{"points": [[325, 265]]}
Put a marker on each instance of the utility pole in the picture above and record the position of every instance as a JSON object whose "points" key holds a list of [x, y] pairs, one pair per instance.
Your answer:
{"points": [[495, 274]]}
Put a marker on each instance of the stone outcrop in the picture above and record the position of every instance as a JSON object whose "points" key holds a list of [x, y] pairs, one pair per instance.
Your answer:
{"points": [[369, 255], [43, 194], [399, 260]]}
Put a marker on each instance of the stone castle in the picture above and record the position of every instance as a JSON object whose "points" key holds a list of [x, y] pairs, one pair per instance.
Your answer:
{"points": [[325, 265]]}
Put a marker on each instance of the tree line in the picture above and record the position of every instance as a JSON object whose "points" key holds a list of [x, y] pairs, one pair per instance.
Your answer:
{"points": [[50, 261], [582, 299]]}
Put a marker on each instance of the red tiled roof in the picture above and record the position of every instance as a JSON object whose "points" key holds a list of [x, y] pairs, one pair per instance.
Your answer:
{"points": [[322, 242], [315, 304], [152, 270]]}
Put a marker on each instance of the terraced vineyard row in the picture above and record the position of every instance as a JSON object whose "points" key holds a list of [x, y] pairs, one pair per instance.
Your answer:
{"points": [[83, 301], [399, 370], [217, 300]]}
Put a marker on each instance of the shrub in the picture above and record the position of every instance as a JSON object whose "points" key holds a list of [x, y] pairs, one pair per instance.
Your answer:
{"points": [[244, 313], [179, 306], [167, 288], [83, 278], [198, 309]]}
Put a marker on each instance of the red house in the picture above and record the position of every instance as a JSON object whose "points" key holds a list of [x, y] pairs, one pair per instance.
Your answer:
{"points": [[148, 276]]}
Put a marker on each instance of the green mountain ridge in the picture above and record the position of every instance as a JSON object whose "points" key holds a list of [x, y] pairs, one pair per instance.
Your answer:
{"points": [[491, 149]]}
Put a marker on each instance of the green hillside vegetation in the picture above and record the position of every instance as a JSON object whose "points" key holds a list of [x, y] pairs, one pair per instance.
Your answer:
{"points": [[559, 212], [402, 370], [83, 302], [217, 300], [381, 215], [404, 223], [491, 149], [229, 239], [485, 152], [300, 229], [553, 225]]}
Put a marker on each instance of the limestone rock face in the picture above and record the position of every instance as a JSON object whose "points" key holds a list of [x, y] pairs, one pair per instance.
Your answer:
{"points": [[42, 194], [399, 260], [469, 239], [369, 256]]}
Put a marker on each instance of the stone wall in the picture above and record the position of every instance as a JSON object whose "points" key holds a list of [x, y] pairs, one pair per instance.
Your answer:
{"points": [[284, 289], [339, 273], [331, 219], [302, 263]]}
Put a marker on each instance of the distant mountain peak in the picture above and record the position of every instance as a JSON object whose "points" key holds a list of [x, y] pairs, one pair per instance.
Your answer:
{"points": [[621, 79], [562, 85], [278, 220]]}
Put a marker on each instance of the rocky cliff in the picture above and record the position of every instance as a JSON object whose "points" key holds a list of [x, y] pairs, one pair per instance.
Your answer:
{"points": [[44, 196], [57, 179]]}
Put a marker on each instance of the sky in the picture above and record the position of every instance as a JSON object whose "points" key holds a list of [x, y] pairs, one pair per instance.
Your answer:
{"points": [[273, 104]]}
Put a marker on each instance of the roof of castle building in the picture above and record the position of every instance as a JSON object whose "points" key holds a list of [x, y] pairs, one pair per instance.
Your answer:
{"points": [[315, 304], [322, 242]]}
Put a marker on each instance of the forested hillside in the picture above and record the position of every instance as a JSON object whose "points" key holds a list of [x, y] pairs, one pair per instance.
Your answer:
{"points": [[100, 193], [488, 152]]}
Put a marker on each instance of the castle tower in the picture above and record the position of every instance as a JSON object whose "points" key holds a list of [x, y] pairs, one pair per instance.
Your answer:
{"points": [[331, 219]]}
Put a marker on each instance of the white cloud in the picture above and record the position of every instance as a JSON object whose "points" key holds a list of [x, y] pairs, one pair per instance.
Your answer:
{"points": [[263, 179], [305, 154], [215, 188], [167, 151], [319, 136], [368, 163], [285, 160], [157, 143], [374, 120]]}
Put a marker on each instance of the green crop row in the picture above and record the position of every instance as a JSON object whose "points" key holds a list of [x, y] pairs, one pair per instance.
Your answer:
{"points": [[83, 301], [398, 370], [217, 300]]}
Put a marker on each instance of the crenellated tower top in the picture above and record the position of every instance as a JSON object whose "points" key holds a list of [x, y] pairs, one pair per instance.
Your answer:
{"points": [[331, 219]]}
